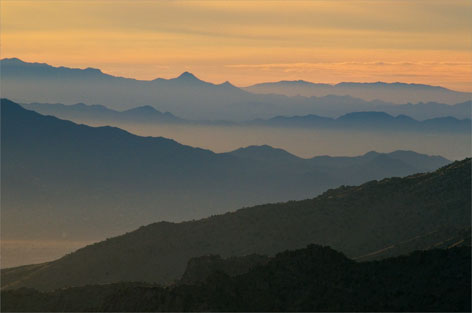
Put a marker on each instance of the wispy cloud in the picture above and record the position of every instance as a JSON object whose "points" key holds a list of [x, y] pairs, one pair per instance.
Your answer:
{"points": [[316, 65]]}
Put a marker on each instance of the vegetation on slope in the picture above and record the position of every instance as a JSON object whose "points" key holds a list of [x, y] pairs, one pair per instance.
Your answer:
{"points": [[355, 220], [312, 279]]}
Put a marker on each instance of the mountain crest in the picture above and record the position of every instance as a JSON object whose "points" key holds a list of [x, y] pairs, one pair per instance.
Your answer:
{"points": [[187, 76], [227, 84]]}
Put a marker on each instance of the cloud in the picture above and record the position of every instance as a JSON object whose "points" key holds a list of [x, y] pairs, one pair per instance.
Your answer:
{"points": [[316, 65]]}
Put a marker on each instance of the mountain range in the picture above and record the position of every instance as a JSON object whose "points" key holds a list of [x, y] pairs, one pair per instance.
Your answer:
{"points": [[191, 98], [91, 114], [378, 121], [390, 92], [358, 221], [100, 181]]}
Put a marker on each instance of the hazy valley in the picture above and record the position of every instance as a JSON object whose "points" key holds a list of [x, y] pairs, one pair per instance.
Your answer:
{"points": [[132, 180], [306, 136]]}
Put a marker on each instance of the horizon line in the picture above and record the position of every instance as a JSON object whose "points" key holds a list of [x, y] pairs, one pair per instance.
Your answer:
{"points": [[228, 81]]}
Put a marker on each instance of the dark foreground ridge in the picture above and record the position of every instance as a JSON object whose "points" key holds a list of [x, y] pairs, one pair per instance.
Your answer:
{"points": [[312, 279], [372, 221]]}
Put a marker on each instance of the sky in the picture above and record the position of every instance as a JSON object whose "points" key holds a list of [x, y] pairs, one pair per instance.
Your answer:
{"points": [[246, 42]]}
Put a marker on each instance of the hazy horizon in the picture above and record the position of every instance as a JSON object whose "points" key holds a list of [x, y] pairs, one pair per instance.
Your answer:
{"points": [[249, 41], [241, 85]]}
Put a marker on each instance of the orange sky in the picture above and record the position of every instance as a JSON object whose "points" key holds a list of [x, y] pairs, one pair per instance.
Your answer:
{"points": [[422, 41]]}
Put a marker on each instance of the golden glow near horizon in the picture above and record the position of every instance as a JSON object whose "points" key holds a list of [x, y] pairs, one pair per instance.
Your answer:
{"points": [[246, 42]]}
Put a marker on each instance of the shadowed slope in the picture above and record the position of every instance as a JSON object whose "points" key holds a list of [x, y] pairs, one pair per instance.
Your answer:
{"points": [[355, 220], [306, 280], [63, 180]]}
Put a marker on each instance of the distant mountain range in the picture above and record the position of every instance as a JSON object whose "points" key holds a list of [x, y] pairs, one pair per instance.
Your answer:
{"points": [[190, 98], [63, 180], [378, 121], [414, 213], [83, 113], [390, 92]]}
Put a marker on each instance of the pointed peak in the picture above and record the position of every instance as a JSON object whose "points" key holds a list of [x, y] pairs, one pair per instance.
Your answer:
{"points": [[187, 76], [226, 84]]}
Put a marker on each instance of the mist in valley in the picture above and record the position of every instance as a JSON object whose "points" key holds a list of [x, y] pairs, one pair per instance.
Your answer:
{"points": [[306, 143]]}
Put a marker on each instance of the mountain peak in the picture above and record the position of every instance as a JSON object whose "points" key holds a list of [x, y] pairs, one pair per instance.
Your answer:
{"points": [[93, 70], [12, 61], [371, 154], [227, 84], [187, 76], [263, 152]]}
